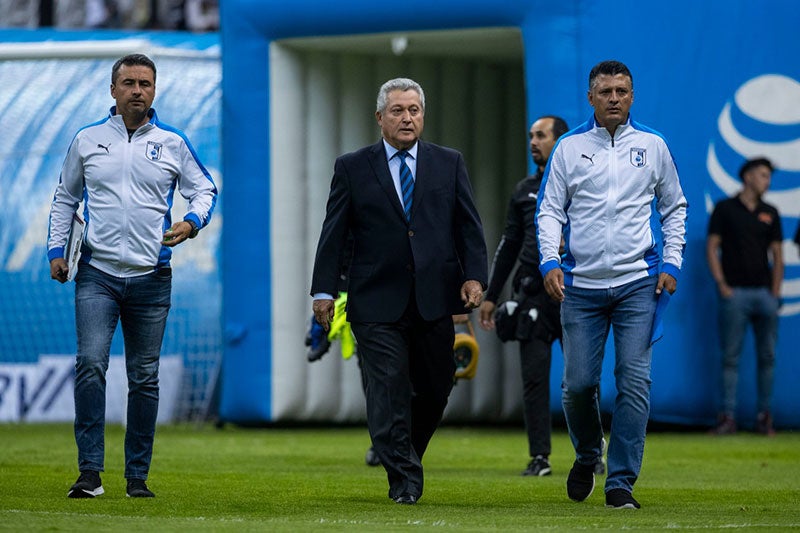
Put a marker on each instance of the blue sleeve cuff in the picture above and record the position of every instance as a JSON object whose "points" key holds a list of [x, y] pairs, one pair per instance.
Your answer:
{"points": [[55, 253], [194, 218], [547, 266], [671, 269], [323, 296]]}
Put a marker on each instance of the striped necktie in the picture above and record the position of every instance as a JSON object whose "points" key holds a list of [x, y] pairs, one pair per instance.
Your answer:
{"points": [[406, 184]]}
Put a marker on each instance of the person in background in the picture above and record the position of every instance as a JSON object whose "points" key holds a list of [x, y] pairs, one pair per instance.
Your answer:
{"points": [[125, 168], [22, 14], [419, 257], [598, 192], [103, 14], [744, 250], [202, 15], [536, 318]]}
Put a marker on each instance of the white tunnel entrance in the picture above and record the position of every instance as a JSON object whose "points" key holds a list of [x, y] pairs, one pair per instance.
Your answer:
{"points": [[323, 93]]}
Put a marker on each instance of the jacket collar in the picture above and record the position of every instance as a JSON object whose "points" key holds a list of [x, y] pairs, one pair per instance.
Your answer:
{"points": [[117, 121], [602, 130]]}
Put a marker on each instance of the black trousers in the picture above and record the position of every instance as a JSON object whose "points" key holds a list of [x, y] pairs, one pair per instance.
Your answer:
{"points": [[535, 357], [408, 368]]}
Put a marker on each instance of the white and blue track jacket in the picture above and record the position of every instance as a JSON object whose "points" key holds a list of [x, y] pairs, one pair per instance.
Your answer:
{"points": [[127, 186], [599, 191]]}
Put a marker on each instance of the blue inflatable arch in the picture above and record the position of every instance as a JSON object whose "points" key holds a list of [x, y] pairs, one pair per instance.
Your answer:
{"points": [[299, 83]]}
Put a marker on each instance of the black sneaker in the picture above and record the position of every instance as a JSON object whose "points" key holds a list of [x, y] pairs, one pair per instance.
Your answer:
{"points": [[87, 486], [539, 466], [371, 457], [580, 482], [138, 489], [621, 499]]}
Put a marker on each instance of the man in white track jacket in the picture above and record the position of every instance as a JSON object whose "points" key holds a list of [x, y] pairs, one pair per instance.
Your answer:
{"points": [[598, 191], [125, 169]]}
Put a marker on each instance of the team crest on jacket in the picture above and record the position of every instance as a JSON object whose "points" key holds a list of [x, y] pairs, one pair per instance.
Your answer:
{"points": [[638, 157], [154, 150]]}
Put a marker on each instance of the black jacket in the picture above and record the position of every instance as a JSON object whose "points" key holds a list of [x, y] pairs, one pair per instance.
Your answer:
{"points": [[435, 253]]}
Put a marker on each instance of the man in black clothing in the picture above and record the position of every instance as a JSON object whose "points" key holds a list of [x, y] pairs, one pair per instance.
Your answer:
{"points": [[536, 317], [419, 257], [744, 253]]}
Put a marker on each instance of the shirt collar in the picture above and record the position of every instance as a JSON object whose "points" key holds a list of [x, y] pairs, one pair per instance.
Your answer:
{"points": [[391, 150]]}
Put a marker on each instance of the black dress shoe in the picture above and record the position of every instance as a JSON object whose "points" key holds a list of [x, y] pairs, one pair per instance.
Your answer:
{"points": [[406, 499]]}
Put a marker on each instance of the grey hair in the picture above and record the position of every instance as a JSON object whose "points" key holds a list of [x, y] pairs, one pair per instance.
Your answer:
{"points": [[398, 84]]}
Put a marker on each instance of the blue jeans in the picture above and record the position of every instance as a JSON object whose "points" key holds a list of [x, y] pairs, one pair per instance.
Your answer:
{"points": [[586, 317], [141, 304], [757, 306]]}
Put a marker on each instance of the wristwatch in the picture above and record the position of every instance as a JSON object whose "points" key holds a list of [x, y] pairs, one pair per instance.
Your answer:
{"points": [[195, 229]]}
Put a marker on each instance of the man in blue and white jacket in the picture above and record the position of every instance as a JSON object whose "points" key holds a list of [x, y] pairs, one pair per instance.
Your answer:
{"points": [[125, 168], [598, 191]]}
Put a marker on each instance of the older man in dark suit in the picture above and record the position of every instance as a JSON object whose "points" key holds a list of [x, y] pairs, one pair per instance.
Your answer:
{"points": [[419, 257]]}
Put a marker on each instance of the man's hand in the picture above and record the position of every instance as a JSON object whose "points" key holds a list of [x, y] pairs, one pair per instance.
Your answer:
{"points": [[487, 315], [471, 294], [323, 312], [178, 233], [666, 281], [554, 284], [725, 290], [59, 270]]}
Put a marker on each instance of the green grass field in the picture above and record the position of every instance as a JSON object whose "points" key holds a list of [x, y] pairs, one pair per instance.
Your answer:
{"points": [[238, 479]]}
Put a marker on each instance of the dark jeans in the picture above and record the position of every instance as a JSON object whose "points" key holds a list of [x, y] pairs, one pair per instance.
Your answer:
{"points": [[756, 306], [141, 304], [587, 316]]}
